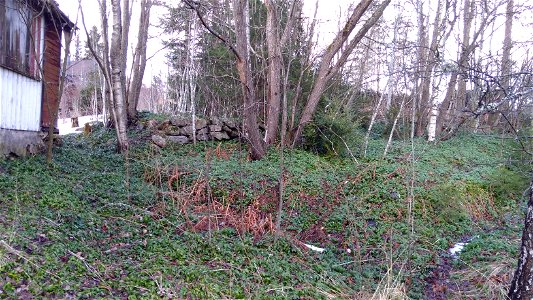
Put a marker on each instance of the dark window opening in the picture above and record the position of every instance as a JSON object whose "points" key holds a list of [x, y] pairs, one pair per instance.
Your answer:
{"points": [[20, 38]]}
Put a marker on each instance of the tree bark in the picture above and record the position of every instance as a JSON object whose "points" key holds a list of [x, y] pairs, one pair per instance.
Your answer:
{"points": [[274, 72], [117, 84], [522, 283], [242, 48], [507, 44], [126, 11], [469, 7], [139, 60]]}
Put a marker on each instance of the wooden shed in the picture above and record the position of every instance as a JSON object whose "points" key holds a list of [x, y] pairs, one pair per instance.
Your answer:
{"points": [[30, 59]]}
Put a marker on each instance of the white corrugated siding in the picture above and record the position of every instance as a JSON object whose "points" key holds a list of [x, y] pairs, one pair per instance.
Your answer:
{"points": [[20, 101]]}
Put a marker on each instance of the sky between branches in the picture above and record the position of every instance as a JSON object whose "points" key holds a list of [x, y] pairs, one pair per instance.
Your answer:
{"points": [[330, 15]]}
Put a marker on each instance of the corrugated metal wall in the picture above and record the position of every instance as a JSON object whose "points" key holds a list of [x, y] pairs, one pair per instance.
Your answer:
{"points": [[20, 101]]}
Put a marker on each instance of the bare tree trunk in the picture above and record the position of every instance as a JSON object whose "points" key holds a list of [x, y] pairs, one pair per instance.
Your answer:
{"points": [[326, 70], [432, 126], [445, 108], [507, 44], [522, 283], [274, 72], [139, 60], [468, 9], [242, 48], [111, 64], [373, 118], [307, 63], [117, 84], [506, 55], [421, 55], [126, 11], [389, 142], [438, 38], [275, 62]]}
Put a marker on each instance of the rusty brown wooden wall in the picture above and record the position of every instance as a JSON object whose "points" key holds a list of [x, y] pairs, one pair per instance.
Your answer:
{"points": [[51, 69]]}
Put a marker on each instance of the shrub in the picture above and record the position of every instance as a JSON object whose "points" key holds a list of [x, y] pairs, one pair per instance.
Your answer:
{"points": [[507, 186], [332, 134]]}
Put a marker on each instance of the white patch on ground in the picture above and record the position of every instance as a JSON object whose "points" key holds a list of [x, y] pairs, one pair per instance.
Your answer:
{"points": [[457, 248], [315, 248], [65, 125]]}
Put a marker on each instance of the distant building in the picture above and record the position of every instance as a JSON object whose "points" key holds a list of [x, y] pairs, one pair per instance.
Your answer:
{"points": [[81, 75], [30, 59]]}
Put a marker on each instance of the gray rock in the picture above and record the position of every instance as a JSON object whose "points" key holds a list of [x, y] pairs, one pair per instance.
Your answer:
{"points": [[151, 124], [202, 131], [159, 140], [164, 126], [200, 123], [231, 124], [233, 134], [180, 121], [219, 136], [173, 132], [178, 139], [215, 128], [187, 130], [202, 137], [216, 121]]}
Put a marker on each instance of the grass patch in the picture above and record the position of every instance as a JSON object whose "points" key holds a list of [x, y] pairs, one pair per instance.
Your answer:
{"points": [[185, 228]]}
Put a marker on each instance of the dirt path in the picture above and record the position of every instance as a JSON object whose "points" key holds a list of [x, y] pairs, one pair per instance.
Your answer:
{"points": [[438, 281]]}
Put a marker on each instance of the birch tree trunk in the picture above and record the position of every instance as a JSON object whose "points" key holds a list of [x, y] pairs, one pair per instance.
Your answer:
{"points": [[116, 56], [432, 126], [389, 141], [125, 14], [439, 37], [421, 54], [522, 283]]}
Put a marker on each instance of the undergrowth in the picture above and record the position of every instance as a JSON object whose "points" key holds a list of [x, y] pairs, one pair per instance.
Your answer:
{"points": [[196, 221]]}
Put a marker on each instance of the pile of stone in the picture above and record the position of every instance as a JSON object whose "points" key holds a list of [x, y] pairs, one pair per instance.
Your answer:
{"points": [[179, 130]]}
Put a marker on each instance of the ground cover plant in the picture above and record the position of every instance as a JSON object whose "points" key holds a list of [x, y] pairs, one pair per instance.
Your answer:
{"points": [[198, 221]]}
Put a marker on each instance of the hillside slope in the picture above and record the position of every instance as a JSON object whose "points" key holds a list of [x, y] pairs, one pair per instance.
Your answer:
{"points": [[197, 222]]}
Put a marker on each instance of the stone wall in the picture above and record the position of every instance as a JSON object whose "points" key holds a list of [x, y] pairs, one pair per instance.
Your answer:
{"points": [[179, 130], [20, 143]]}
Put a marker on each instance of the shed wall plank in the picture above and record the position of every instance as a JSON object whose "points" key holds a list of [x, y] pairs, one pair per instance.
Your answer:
{"points": [[20, 101]]}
